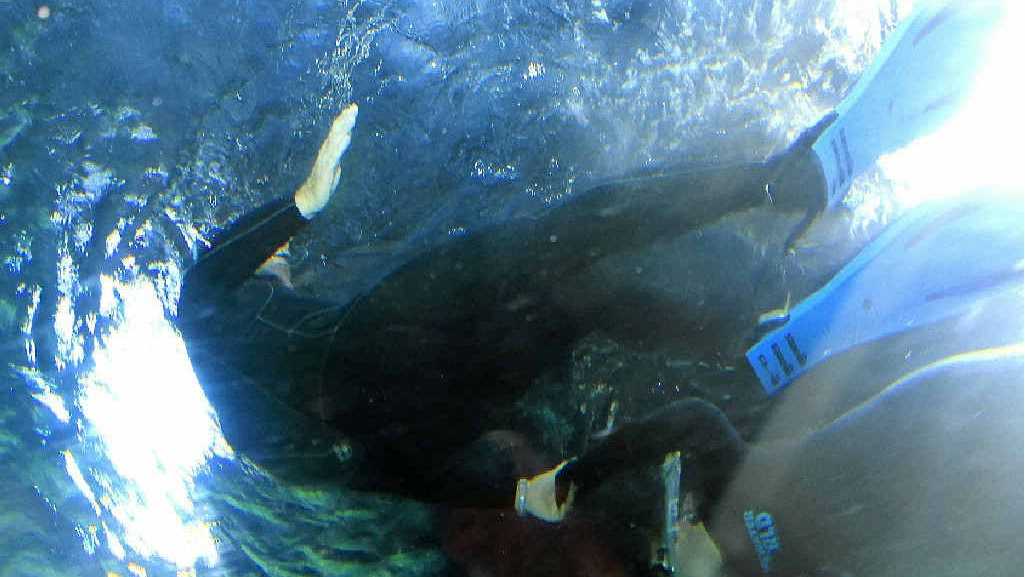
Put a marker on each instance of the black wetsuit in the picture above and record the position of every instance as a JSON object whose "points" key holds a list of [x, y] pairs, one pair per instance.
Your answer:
{"points": [[413, 372]]}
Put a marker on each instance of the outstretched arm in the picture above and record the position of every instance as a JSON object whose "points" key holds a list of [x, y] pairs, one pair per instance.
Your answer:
{"points": [[695, 427], [239, 250]]}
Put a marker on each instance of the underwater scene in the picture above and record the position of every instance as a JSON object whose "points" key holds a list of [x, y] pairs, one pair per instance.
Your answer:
{"points": [[500, 288]]}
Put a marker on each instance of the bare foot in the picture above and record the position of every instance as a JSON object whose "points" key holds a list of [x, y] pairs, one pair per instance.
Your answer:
{"points": [[313, 195]]}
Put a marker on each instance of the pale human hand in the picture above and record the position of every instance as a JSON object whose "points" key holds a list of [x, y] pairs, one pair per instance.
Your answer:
{"points": [[314, 193]]}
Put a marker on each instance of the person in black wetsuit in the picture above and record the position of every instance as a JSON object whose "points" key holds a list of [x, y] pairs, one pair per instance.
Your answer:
{"points": [[407, 378], [397, 389]]}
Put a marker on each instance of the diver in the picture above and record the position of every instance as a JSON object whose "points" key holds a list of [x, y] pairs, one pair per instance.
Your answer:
{"points": [[407, 380], [398, 389], [912, 467]]}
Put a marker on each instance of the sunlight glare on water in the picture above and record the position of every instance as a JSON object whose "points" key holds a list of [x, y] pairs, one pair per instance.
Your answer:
{"points": [[978, 147], [143, 401]]}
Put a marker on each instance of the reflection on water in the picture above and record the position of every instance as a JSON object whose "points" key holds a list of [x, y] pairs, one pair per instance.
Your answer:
{"points": [[146, 407], [973, 152]]}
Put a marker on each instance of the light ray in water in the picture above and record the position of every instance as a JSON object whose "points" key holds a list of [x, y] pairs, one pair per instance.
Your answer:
{"points": [[144, 402], [978, 147]]}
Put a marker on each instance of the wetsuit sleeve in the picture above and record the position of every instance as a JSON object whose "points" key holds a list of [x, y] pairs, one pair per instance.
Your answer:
{"points": [[484, 473], [240, 249], [695, 427]]}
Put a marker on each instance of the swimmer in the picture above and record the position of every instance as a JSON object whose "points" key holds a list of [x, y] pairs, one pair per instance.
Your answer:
{"points": [[400, 389], [415, 371]]}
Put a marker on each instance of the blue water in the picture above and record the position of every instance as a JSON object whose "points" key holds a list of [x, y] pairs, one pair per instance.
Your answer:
{"points": [[131, 131]]}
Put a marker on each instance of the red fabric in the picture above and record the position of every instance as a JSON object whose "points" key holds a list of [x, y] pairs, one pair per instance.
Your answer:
{"points": [[490, 543]]}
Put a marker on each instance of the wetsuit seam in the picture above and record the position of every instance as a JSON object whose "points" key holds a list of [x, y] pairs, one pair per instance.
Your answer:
{"points": [[292, 330], [258, 317], [235, 238]]}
